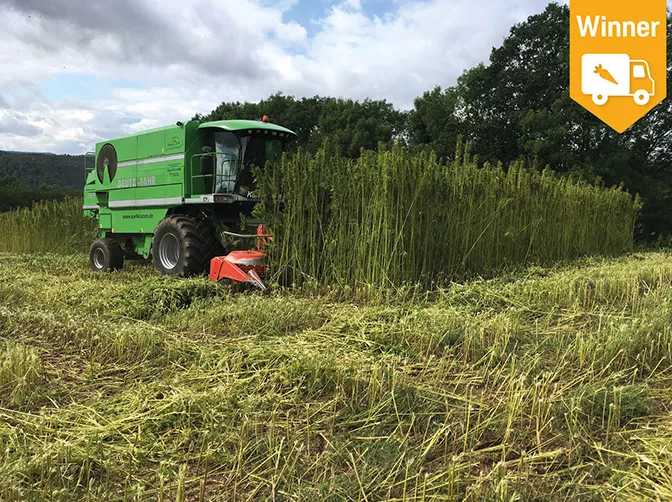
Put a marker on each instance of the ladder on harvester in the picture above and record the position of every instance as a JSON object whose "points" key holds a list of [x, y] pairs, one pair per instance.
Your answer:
{"points": [[89, 166]]}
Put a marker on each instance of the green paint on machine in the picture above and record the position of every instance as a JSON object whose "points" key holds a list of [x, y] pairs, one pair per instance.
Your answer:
{"points": [[192, 174]]}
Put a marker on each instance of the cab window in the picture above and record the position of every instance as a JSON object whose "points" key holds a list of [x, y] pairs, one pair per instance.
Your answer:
{"points": [[227, 148], [257, 151]]}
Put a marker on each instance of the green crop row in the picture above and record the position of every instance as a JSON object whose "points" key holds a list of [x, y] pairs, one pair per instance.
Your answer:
{"points": [[394, 217], [47, 227]]}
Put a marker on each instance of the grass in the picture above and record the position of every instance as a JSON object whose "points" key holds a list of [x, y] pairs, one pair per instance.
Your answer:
{"points": [[543, 384], [49, 226], [392, 217]]}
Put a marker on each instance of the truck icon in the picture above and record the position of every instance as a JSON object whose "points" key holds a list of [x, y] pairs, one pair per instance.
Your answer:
{"points": [[609, 75]]}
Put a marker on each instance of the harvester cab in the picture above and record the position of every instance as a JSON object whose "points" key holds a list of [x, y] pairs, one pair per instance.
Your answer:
{"points": [[177, 193], [227, 159]]}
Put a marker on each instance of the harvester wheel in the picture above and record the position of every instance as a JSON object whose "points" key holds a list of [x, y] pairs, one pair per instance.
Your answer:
{"points": [[182, 246], [106, 255]]}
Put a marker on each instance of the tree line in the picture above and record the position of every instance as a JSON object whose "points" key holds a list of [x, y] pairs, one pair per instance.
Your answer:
{"points": [[43, 169], [26, 178], [14, 193]]}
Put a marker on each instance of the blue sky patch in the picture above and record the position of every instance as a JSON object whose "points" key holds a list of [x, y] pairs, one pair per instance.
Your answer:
{"points": [[84, 86], [308, 12]]}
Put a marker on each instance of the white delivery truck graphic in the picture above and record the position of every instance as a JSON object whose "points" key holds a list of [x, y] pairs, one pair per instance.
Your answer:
{"points": [[607, 75]]}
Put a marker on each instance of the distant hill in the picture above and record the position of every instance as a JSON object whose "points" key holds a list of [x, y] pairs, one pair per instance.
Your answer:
{"points": [[29, 153], [44, 169]]}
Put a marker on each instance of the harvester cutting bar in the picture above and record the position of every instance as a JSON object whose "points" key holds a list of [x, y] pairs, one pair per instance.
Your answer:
{"points": [[239, 266]]}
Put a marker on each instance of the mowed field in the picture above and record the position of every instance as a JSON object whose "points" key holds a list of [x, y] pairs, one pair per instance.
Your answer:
{"points": [[546, 384]]}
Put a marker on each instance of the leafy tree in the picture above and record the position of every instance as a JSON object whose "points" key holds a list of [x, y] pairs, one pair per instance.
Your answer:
{"points": [[433, 121], [518, 106], [14, 193], [349, 125], [530, 71]]}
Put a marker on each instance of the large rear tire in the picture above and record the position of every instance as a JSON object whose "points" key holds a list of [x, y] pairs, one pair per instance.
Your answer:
{"points": [[182, 246], [106, 255]]}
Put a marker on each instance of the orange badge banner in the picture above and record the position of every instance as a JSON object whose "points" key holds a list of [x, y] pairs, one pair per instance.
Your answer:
{"points": [[618, 58]]}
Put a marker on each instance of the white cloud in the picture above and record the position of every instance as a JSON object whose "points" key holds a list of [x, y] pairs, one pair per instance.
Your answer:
{"points": [[423, 44], [13, 125], [188, 56]]}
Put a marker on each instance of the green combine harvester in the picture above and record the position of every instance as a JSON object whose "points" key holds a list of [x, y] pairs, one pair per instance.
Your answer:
{"points": [[175, 192]]}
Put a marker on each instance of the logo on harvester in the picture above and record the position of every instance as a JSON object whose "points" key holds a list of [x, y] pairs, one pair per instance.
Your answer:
{"points": [[618, 56], [174, 142], [140, 182]]}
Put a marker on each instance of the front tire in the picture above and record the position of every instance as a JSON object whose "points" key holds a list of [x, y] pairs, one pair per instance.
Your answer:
{"points": [[106, 255], [182, 246]]}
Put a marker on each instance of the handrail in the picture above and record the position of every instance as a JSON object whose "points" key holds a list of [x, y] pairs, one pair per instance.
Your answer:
{"points": [[219, 179], [88, 169]]}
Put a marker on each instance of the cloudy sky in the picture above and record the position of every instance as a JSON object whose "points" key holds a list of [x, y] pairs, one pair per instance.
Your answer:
{"points": [[75, 72]]}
